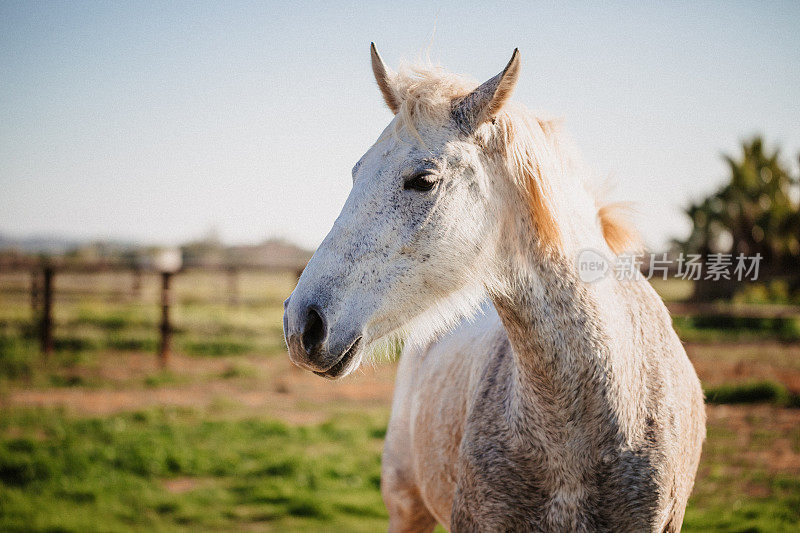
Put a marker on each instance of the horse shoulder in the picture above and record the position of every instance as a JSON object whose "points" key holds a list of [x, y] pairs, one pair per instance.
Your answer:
{"points": [[433, 388]]}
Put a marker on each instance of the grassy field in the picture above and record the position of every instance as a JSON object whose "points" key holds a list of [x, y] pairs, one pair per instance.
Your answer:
{"points": [[232, 437]]}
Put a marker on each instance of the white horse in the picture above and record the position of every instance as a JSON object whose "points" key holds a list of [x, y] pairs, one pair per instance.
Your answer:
{"points": [[564, 406]]}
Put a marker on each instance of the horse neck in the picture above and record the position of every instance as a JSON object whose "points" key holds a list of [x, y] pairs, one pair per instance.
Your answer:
{"points": [[557, 325]]}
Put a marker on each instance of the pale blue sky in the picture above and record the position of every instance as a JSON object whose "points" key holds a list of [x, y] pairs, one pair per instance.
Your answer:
{"points": [[158, 121]]}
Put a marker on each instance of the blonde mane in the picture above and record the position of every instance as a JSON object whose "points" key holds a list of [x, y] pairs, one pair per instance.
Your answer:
{"points": [[532, 149]]}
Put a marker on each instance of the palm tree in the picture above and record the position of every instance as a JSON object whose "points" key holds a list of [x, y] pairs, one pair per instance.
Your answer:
{"points": [[756, 212]]}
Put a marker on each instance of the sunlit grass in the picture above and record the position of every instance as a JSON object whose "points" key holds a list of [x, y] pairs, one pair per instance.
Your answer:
{"points": [[224, 467], [738, 488], [176, 469]]}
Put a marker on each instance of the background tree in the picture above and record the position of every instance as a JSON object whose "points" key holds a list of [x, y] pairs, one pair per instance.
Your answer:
{"points": [[756, 212]]}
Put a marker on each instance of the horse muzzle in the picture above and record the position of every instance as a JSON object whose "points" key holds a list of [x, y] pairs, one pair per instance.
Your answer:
{"points": [[311, 345]]}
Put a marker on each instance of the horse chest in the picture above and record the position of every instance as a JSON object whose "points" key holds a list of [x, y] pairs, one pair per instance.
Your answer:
{"points": [[502, 486], [508, 480], [501, 479]]}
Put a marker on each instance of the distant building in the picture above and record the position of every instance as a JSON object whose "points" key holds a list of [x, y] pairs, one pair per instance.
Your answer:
{"points": [[275, 253]]}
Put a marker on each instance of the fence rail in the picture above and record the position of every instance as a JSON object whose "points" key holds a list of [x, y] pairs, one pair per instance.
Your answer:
{"points": [[42, 291], [735, 310]]}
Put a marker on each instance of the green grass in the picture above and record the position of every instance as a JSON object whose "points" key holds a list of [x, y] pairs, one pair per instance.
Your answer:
{"points": [[59, 473], [737, 490], [777, 513], [178, 469], [236, 370], [228, 468], [15, 357], [724, 328], [217, 347], [673, 289], [115, 319], [752, 392]]}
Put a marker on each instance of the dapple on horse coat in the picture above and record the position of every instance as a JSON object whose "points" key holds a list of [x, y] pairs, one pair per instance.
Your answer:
{"points": [[526, 399]]}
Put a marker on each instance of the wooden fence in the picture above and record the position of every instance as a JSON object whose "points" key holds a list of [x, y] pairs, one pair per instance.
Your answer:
{"points": [[42, 292], [43, 275]]}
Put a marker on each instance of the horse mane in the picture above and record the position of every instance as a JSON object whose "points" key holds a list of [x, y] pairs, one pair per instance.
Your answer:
{"points": [[618, 230], [533, 155], [532, 149]]}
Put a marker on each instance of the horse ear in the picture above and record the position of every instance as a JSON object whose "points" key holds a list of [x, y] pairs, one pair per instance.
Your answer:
{"points": [[383, 75], [486, 101]]}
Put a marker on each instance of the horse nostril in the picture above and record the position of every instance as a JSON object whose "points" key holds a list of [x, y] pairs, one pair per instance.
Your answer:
{"points": [[313, 331]]}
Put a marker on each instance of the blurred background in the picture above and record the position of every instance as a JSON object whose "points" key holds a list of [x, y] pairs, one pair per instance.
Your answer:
{"points": [[167, 169]]}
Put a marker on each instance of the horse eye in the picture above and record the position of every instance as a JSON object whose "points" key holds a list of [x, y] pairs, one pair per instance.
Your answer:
{"points": [[420, 182]]}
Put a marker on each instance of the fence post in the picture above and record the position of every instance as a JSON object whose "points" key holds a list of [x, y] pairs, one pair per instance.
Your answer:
{"points": [[136, 287], [47, 313], [166, 326], [233, 286], [35, 290]]}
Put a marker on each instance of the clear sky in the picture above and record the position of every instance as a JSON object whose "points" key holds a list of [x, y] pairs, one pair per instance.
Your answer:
{"points": [[159, 121]]}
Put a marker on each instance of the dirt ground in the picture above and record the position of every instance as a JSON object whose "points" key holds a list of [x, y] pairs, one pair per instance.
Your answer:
{"points": [[757, 361], [245, 385], [114, 380], [272, 386]]}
